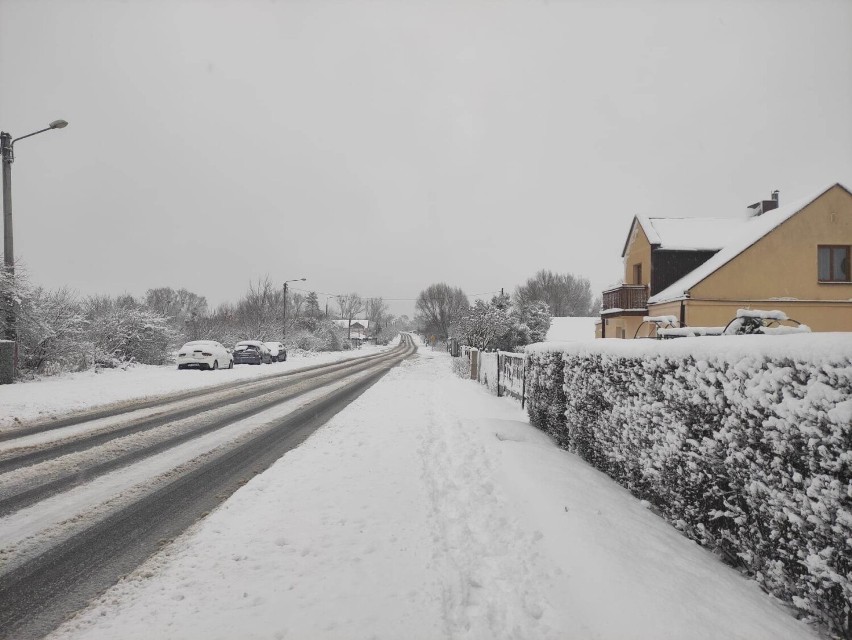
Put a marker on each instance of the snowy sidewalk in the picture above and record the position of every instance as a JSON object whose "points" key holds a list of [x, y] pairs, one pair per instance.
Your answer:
{"points": [[430, 509]]}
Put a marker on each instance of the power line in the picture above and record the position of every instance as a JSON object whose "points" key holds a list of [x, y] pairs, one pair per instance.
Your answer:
{"points": [[340, 295]]}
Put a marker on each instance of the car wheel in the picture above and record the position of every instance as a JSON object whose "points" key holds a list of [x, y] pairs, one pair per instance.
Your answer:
{"points": [[215, 365], [180, 366], [231, 364]]}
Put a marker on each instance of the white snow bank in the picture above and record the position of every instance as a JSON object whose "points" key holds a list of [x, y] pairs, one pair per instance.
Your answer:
{"points": [[779, 316], [431, 509], [804, 347], [580, 328], [73, 392], [690, 332]]}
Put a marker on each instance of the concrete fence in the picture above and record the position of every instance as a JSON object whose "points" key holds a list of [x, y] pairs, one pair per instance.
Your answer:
{"points": [[503, 372]]}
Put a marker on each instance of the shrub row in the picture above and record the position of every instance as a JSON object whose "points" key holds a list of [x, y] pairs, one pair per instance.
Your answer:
{"points": [[743, 443]]}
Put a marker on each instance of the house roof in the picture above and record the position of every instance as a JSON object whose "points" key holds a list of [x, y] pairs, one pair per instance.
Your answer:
{"points": [[345, 323], [742, 237], [691, 234], [686, 234]]}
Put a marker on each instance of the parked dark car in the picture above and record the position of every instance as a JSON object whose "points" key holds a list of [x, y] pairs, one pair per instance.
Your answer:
{"points": [[277, 351], [251, 352]]}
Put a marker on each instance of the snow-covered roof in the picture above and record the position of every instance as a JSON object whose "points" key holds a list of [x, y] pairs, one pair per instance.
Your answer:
{"points": [[690, 234], [345, 323], [746, 235], [579, 328]]}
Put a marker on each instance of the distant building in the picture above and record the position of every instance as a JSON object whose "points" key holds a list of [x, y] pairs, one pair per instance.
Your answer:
{"points": [[794, 258], [359, 327]]}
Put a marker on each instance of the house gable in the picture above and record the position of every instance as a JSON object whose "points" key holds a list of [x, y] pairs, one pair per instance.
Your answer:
{"points": [[637, 250], [783, 262], [751, 233]]}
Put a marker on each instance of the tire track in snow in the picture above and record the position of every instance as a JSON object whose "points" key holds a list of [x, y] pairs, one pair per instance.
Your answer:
{"points": [[79, 467], [38, 593]]}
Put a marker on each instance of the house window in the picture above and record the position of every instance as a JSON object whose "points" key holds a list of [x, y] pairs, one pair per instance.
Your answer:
{"points": [[637, 273], [834, 263]]}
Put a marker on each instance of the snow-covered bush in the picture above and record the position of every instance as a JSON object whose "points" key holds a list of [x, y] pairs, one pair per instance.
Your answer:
{"points": [[483, 324], [323, 336], [545, 390], [123, 330], [52, 333], [461, 365], [744, 443]]}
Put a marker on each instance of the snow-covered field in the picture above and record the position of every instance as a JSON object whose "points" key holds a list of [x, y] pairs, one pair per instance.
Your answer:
{"points": [[431, 509], [69, 393]]}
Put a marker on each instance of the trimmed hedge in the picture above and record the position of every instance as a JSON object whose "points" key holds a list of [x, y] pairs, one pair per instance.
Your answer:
{"points": [[743, 443]]}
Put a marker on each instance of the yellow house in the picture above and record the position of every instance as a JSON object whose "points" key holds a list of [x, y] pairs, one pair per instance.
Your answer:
{"points": [[700, 271]]}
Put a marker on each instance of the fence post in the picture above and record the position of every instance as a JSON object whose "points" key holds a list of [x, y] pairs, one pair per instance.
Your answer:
{"points": [[524, 384], [498, 374], [7, 361], [474, 364]]}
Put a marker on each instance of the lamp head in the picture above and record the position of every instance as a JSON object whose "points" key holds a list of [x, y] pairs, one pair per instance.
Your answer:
{"points": [[58, 124]]}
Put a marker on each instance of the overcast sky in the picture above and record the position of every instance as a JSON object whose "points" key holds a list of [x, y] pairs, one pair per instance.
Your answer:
{"points": [[382, 146]]}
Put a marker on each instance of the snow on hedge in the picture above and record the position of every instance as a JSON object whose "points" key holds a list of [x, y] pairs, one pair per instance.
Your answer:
{"points": [[744, 443]]}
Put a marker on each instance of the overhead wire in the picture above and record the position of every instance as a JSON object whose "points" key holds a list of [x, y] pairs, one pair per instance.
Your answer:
{"points": [[340, 295]]}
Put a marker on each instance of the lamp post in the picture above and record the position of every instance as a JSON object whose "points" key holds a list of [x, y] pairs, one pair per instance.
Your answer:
{"points": [[7, 149], [284, 313]]}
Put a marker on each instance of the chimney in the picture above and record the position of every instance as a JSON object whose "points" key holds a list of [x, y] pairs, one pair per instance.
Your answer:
{"points": [[759, 208]]}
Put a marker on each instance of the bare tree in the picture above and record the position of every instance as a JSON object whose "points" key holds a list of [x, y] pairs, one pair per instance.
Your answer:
{"points": [[296, 307], [377, 312], [350, 306], [440, 306], [312, 308], [564, 293], [177, 304]]}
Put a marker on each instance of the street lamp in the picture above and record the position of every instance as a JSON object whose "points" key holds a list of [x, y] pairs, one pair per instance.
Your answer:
{"points": [[7, 148], [284, 313]]}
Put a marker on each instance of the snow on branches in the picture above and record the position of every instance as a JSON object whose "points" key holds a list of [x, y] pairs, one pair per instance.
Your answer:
{"points": [[482, 325], [499, 325]]}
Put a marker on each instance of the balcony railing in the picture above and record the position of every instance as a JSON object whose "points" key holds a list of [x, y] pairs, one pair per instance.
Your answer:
{"points": [[626, 296]]}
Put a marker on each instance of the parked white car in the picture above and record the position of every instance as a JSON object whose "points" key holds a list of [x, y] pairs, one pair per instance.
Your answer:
{"points": [[204, 354], [277, 351]]}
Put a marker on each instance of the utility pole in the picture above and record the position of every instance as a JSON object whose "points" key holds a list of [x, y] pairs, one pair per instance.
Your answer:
{"points": [[284, 312], [7, 156], [8, 244], [284, 315]]}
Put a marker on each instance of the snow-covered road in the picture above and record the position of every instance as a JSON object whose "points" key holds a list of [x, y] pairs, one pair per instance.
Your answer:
{"points": [[430, 509], [91, 506], [58, 396]]}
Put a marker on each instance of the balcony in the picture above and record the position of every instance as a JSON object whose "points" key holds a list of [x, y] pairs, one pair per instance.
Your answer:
{"points": [[627, 297]]}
